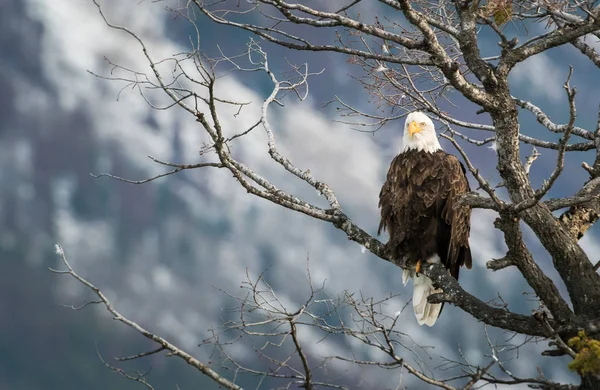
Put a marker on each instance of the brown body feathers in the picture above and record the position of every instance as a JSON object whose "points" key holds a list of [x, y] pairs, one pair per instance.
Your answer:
{"points": [[419, 209]]}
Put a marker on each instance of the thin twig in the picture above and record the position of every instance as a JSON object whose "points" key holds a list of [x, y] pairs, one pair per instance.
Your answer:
{"points": [[143, 354], [179, 168]]}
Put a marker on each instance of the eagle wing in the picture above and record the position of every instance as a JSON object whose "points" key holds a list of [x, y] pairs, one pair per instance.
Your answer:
{"points": [[455, 221], [393, 196]]}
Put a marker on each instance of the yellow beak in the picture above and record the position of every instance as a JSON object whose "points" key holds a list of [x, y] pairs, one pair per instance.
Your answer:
{"points": [[413, 127]]}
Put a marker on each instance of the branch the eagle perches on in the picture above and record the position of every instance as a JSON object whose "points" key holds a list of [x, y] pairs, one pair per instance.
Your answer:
{"points": [[439, 50]]}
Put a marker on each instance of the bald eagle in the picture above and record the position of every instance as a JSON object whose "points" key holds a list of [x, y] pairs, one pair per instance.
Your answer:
{"points": [[419, 211]]}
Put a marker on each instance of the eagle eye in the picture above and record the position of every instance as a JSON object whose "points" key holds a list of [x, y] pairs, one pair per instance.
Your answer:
{"points": [[423, 124]]}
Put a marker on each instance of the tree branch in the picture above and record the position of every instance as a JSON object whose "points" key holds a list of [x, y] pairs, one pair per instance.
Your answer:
{"points": [[175, 351], [541, 284], [587, 51], [557, 37], [543, 119], [500, 318], [441, 60], [179, 168], [584, 209]]}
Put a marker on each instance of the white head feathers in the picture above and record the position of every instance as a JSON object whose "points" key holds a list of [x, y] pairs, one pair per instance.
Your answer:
{"points": [[419, 134]]}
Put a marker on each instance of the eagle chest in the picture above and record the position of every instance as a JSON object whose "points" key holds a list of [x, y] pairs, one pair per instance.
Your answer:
{"points": [[419, 188]]}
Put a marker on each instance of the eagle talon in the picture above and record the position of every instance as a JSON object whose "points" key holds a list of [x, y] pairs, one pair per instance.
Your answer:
{"points": [[418, 267]]}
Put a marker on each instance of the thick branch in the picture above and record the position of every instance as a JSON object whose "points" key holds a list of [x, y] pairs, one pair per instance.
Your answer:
{"points": [[328, 19], [557, 37], [541, 284], [501, 263], [453, 292], [500, 318], [569, 259], [476, 201], [467, 39]]}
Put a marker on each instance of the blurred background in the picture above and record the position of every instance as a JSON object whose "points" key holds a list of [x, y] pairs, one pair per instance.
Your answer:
{"points": [[163, 251]]}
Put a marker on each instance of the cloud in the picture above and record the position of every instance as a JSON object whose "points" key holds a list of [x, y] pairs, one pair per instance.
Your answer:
{"points": [[542, 76]]}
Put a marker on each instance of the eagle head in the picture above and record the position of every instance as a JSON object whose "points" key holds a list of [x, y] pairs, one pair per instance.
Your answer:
{"points": [[419, 134]]}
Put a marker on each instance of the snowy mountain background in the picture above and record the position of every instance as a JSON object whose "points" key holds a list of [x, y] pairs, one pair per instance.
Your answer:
{"points": [[161, 251]]}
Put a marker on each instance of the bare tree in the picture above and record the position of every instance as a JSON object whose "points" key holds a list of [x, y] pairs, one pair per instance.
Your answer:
{"points": [[423, 57]]}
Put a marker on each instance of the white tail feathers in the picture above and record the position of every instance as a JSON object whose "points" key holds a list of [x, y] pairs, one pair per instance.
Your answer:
{"points": [[426, 313], [406, 274]]}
